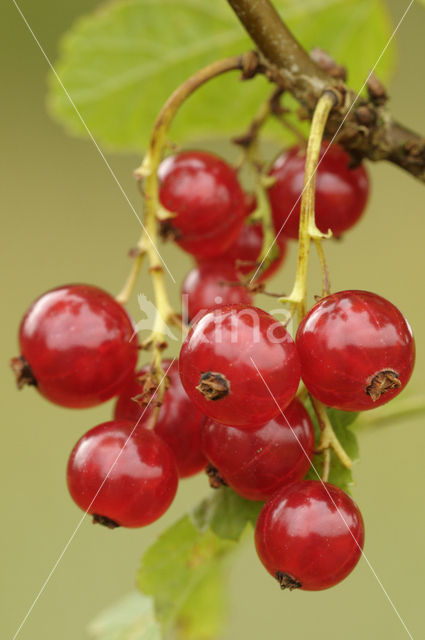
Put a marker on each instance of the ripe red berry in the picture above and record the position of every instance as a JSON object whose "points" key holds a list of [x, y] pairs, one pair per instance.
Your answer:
{"points": [[77, 346], [309, 535], [208, 245], [341, 192], [256, 462], [356, 350], [204, 193], [122, 478], [211, 284], [219, 360], [178, 421], [245, 252]]}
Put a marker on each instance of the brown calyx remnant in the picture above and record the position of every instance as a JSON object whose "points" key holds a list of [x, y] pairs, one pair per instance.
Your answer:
{"points": [[149, 387], [286, 581], [106, 522], [23, 372], [215, 479], [213, 385], [168, 232], [382, 382]]}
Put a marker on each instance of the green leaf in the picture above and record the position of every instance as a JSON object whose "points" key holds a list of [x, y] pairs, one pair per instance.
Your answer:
{"points": [[227, 513], [132, 618], [182, 572], [341, 421], [201, 616], [120, 63]]}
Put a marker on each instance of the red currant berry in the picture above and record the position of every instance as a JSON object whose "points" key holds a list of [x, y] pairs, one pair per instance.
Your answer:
{"points": [[256, 462], [211, 284], [204, 193], [341, 192], [356, 350], [208, 245], [245, 253], [122, 478], [178, 422], [309, 535], [77, 346], [236, 363]]}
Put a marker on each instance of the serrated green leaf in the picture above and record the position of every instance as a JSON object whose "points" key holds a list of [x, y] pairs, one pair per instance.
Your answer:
{"points": [[226, 513], [178, 571], [131, 618], [120, 63]]}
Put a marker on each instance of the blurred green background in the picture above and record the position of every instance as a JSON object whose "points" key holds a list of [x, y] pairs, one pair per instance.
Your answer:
{"points": [[64, 220]]}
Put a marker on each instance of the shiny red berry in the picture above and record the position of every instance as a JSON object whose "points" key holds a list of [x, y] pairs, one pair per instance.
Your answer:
{"points": [[356, 350], [341, 192], [211, 284], [309, 535], [236, 363], [77, 346], [256, 462], [244, 254], [204, 193], [178, 421], [122, 478], [206, 245]]}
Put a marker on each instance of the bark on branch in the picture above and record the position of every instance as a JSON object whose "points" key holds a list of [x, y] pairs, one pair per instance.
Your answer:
{"points": [[369, 130]]}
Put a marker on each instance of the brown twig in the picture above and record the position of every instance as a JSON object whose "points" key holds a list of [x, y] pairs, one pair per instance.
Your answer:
{"points": [[365, 126]]}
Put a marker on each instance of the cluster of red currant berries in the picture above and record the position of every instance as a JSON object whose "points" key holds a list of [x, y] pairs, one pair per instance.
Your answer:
{"points": [[231, 403]]}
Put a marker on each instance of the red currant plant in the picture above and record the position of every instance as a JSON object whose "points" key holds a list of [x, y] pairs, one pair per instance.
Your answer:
{"points": [[210, 532]]}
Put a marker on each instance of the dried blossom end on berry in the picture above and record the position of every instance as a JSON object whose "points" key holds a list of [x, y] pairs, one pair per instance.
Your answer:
{"points": [[287, 582], [213, 385], [216, 480], [106, 522], [382, 382], [23, 372]]}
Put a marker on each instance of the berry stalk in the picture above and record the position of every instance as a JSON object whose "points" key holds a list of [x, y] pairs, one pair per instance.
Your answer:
{"points": [[153, 210], [149, 167], [308, 229], [250, 157], [124, 295], [328, 439]]}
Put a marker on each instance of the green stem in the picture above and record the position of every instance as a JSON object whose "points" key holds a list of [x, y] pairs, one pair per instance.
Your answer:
{"points": [[149, 172], [247, 63], [124, 295], [250, 157], [308, 229], [326, 285], [329, 439], [153, 211], [326, 464], [249, 140]]}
